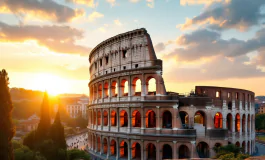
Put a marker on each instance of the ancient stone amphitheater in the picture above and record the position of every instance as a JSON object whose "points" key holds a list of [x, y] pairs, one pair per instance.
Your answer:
{"points": [[126, 123]]}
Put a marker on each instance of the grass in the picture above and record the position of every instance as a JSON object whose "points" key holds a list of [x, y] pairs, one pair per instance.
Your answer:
{"points": [[261, 137]]}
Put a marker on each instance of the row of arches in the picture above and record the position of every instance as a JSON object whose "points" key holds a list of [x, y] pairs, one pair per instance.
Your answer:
{"points": [[246, 146], [113, 88]]}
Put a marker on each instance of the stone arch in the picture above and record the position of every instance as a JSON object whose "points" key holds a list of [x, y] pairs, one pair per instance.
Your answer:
{"points": [[95, 118], [124, 88], [105, 118], [152, 82], [123, 118], [113, 118], [229, 122], [184, 152], [229, 105], [99, 90], [136, 150], [113, 147], [248, 125], [95, 92], [244, 146], [136, 118], [106, 89], [123, 149], [114, 88], [237, 144], [243, 122], [98, 144], [248, 149], [150, 119], [218, 120], [200, 118], [99, 117], [184, 116], [105, 146], [167, 152], [136, 86], [151, 151], [167, 119], [203, 150], [237, 122]]}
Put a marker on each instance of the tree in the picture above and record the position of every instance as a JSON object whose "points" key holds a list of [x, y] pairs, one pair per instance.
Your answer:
{"points": [[229, 151], [45, 120], [57, 132], [7, 129], [260, 122], [75, 154]]}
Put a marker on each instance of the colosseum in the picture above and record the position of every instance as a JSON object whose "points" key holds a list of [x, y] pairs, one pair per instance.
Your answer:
{"points": [[129, 123]]}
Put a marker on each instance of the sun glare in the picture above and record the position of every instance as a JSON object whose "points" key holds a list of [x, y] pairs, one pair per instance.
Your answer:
{"points": [[54, 85]]}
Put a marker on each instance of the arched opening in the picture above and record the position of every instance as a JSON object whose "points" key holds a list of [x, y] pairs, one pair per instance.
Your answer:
{"points": [[151, 86], [229, 105], [105, 114], [95, 93], [184, 152], [123, 119], [123, 149], [95, 118], [136, 119], [151, 151], [244, 146], [217, 145], [167, 119], [113, 147], [229, 122], [105, 146], [136, 87], [124, 88], [248, 147], [98, 144], [113, 118], [150, 120], [252, 123], [167, 152], [237, 144], [199, 118], [184, 119], [203, 150], [218, 120], [99, 118], [248, 127], [237, 126], [136, 150], [94, 142], [100, 91], [243, 122], [114, 88], [106, 90]]}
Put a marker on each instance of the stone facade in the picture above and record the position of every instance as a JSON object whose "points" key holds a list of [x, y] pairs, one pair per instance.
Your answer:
{"points": [[124, 123]]}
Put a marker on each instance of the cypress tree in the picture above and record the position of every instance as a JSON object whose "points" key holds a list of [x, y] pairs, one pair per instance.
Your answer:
{"points": [[7, 129], [57, 132], [45, 120]]}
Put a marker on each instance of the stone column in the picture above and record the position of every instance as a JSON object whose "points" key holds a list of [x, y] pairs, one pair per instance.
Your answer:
{"points": [[96, 119], [194, 153], [109, 88], [142, 150], [101, 119], [118, 119], [118, 149], [101, 145], [142, 120], [175, 150], [250, 121], [143, 89], [224, 122], [129, 120], [158, 151], [129, 87], [241, 124], [233, 124], [129, 150], [158, 123], [96, 143]]}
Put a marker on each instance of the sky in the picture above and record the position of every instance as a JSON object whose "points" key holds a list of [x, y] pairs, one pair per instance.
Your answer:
{"points": [[45, 44]]}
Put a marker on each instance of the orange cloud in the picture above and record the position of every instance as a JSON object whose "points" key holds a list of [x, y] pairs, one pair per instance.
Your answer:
{"points": [[89, 3]]}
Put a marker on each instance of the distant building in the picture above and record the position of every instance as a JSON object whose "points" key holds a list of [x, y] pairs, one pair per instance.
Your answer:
{"points": [[261, 109]]}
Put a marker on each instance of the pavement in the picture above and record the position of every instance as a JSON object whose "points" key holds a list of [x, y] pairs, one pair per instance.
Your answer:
{"points": [[260, 149]]}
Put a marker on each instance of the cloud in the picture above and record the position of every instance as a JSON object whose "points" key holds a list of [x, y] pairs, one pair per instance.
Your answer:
{"points": [[89, 3], [219, 68], [237, 14], [59, 39], [160, 47], [196, 2], [205, 43], [95, 15], [112, 2], [150, 3], [45, 9], [117, 22], [134, 1]]}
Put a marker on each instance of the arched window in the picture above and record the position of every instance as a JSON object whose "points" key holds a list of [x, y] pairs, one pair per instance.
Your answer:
{"points": [[105, 146], [167, 119], [113, 147], [151, 151], [218, 120], [136, 87], [100, 91], [237, 126], [113, 118], [248, 149], [136, 119], [243, 146], [203, 150], [243, 122], [150, 120], [99, 118], [98, 141], [184, 119], [151, 86], [248, 126], [124, 88], [95, 93], [237, 144], [123, 119], [199, 118], [105, 114], [184, 152], [106, 89], [167, 152], [229, 122], [123, 149], [95, 117], [114, 88], [136, 150], [229, 105]]}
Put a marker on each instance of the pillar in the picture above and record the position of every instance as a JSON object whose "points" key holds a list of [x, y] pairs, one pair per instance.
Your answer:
{"points": [[142, 120], [143, 89], [194, 153], [129, 86], [118, 149], [109, 119], [175, 150], [158, 151], [129, 150], [101, 145], [129, 120], [101, 119], [158, 119], [224, 122], [142, 150], [118, 119]]}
